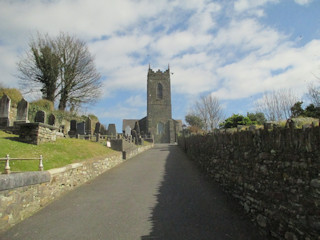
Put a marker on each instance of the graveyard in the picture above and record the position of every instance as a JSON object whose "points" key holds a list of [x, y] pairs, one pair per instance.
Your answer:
{"points": [[59, 140]]}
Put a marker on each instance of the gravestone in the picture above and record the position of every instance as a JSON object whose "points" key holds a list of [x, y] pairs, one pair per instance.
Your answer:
{"points": [[97, 128], [103, 130], [22, 111], [112, 129], [81, 128], [88, 126], [52, 119], [40, 116], [5, 103], [127, 131], [73, 128], [137, 128]]}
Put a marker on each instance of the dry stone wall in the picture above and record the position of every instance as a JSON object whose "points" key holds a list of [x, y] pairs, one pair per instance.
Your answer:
{"points": [[274, 175]]}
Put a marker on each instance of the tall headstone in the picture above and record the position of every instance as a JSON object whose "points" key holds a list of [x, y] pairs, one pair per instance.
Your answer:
{"points": [[81, 128], [103, 130], [40, 116], [112, 129], [73, 128], [22, 110], [97, 128], [137, 128], [52, 119], [5, 104], [88, 126], [127, 131]]}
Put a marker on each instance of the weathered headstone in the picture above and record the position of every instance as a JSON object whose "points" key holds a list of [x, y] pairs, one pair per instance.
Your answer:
{"points": [[112, 129], [97, 128], [137, 128], [52, 119], [134, 136], [22, 110], [73, 128], [40, 117], [103, 130], [81, 128], [5, 103], [88, 126], [127, 131]]}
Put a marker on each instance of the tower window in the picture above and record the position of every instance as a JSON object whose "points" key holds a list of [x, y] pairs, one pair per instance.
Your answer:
{"points": [[159, 91]]}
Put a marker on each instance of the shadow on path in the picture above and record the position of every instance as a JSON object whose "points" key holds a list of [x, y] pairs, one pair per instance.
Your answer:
{"points": [[189, 206]]}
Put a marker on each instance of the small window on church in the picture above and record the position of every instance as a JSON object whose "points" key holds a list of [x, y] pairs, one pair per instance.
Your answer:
{"points": [[159, 91]]}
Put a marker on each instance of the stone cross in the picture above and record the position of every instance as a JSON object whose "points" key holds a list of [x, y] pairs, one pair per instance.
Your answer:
{"points": [[40, 116], [5, 104], [22, 110]]}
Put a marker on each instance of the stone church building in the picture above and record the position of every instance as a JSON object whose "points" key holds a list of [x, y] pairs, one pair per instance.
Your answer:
{"points": [[158, 122]]}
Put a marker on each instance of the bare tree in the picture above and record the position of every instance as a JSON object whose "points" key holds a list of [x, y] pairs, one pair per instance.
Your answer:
{"points": [[61, 66], [80, 81], [276, 105], [209, 109], [314, 94]]}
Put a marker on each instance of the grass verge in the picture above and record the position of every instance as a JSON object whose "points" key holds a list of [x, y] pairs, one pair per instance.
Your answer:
{"points": [[55, 154]]}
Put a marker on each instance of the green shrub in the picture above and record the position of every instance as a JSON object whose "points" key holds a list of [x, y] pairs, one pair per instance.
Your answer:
{"points": [[43, 104]]}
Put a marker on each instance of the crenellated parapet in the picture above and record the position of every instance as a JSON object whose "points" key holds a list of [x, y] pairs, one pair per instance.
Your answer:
{"points": [[154, 75]]}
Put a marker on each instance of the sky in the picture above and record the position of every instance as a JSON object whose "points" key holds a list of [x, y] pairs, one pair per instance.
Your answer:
{"points": [[235, 50]]}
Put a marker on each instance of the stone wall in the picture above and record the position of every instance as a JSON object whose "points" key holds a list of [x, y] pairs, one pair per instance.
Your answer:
{"points": [[36, 133], [274, 175], [22, 194]]}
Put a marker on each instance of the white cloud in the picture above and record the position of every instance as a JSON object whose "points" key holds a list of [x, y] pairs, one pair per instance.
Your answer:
{"points": [[136, 101], [303, 2], [245, 5], [248, 35], [8, 66], [284, 68]]}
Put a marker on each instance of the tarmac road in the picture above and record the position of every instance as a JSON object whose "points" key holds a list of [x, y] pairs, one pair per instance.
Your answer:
{"points": [[159, 194]]}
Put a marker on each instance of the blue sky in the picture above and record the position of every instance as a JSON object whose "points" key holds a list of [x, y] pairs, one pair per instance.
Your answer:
{"points": [[235, 50]]}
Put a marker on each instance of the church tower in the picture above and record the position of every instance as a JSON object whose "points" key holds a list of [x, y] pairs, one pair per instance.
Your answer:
{"points": [[159, 116]]}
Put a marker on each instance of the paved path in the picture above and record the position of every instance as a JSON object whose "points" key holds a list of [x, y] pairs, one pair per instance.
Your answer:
{"points": [[159, 194]]}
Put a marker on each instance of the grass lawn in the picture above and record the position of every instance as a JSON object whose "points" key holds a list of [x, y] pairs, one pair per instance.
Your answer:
{"points": [[55, 154]]}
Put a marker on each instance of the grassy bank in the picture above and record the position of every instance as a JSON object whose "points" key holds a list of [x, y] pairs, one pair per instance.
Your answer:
{"points": [[56, 154]]}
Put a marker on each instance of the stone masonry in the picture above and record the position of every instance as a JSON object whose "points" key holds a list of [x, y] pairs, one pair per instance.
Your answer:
{"points": [[274, 175], [158, 122]]}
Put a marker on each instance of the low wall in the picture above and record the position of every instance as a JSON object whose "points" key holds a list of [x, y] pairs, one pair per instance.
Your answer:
{"points": [[36, 133], [22, 194], [274, 175]]}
